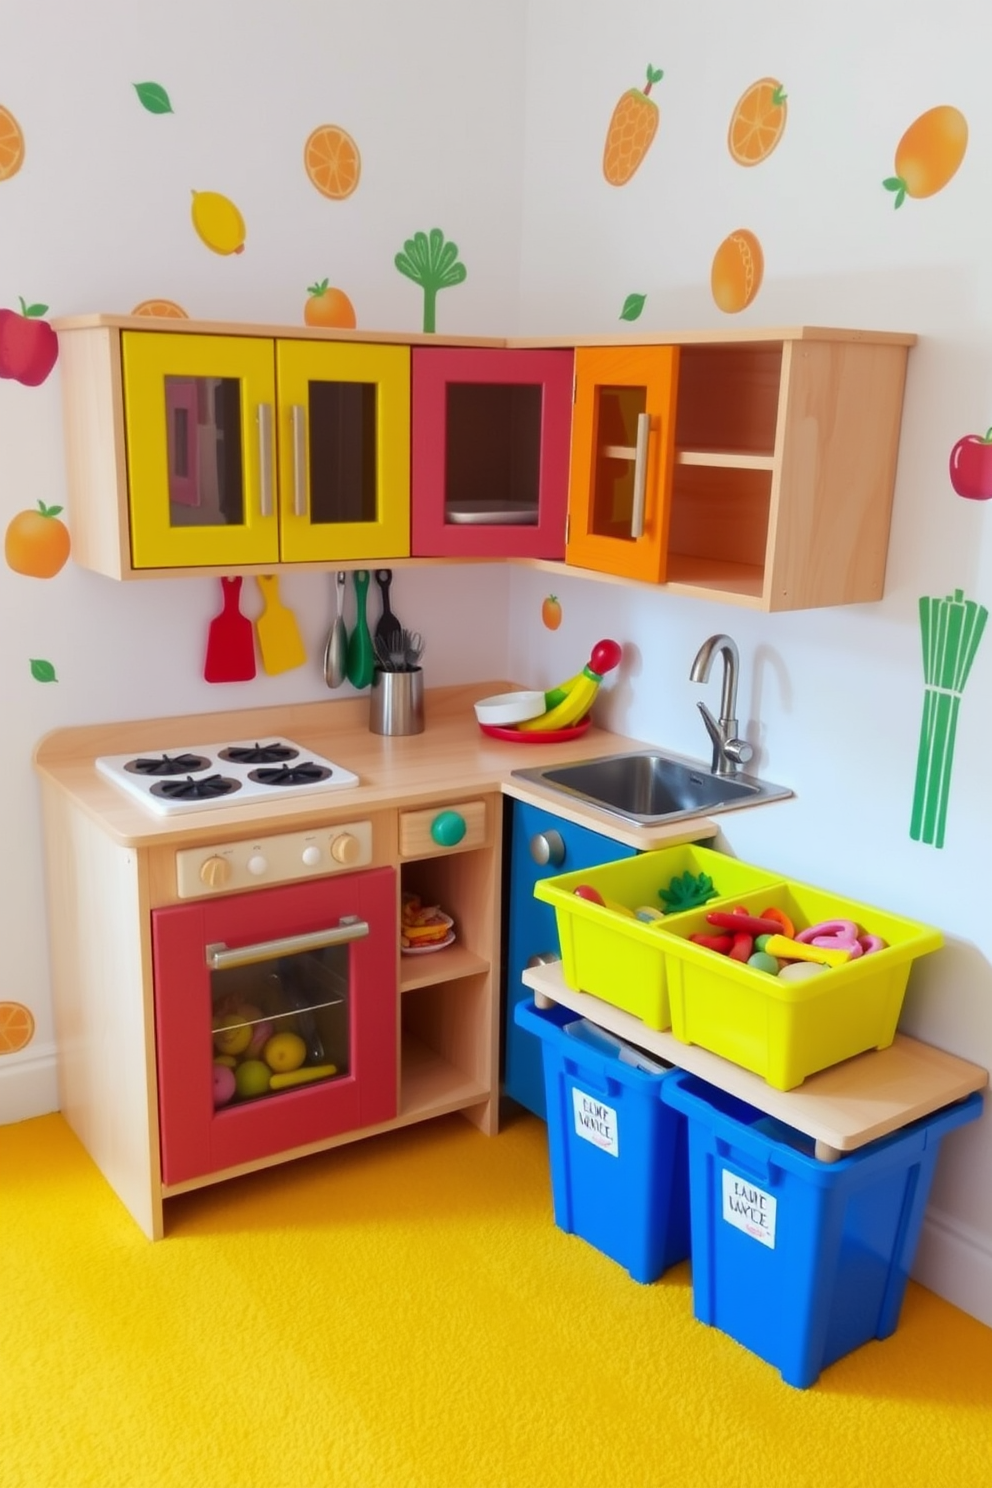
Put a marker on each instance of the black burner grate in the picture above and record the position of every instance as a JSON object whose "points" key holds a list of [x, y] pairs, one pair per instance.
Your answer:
{"points": [[258, 754], [207, 788], [305, 773], [168, 764]]}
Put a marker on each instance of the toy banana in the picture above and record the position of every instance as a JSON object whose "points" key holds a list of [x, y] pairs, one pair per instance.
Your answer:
{"points": [[558, 694], [582, 691]]}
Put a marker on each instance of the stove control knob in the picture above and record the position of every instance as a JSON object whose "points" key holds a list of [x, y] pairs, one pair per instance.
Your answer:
{"points": [[215, 872], [311, 856], [345, 848], [256, 865]]}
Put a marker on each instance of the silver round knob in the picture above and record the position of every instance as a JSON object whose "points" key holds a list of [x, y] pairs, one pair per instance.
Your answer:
{"points": [[256, 865], [311, 855], [547, 849], [543, 958]]}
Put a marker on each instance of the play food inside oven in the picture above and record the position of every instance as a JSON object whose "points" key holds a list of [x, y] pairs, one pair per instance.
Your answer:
{"points": [[277, 1029]]}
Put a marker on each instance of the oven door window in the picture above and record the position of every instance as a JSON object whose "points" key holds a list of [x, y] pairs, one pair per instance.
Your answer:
{"points": [[291, 994], [281, 1024]]}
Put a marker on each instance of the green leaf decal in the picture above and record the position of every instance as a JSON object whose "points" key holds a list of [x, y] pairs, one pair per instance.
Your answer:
{"points": [[42, 671], [153, 97], [31, 310], [632, 306], [898, 185]]}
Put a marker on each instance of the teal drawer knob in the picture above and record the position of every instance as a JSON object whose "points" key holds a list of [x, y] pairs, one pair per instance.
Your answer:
{"points": [[448, 828]]}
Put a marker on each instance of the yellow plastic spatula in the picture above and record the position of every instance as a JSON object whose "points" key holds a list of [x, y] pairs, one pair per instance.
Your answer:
{"points": [[279, 637]]}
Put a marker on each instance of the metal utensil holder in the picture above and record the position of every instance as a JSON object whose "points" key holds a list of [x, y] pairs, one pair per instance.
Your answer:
{"points": [[396, 702]]}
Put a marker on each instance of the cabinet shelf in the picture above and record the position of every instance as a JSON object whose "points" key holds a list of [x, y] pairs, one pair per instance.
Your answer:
{"points": [[725, 459], [441, 966], [430, 1085]]}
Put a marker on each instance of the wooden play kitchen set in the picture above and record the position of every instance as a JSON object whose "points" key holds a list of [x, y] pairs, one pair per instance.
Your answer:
{"points": [[306, 952], [754, 467], [803, 1160]]}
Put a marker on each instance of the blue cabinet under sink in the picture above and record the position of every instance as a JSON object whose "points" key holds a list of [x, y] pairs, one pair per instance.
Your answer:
{"points": [[532, 929]]}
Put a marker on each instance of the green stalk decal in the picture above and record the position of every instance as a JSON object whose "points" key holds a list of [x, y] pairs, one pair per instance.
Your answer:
{"points": [[950, 630], [433, 264]]}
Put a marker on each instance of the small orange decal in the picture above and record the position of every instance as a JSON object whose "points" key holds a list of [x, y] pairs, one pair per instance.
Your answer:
{"points": [[929, 153], [551, 612], [332, 161], [36, 542], [16, 1027], [163, 309], [758, 122], [327, 306], [738, 268]]}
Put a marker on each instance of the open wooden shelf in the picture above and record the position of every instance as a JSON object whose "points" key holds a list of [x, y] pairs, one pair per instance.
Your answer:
{"points": [[430, 1085], [440, 966]]}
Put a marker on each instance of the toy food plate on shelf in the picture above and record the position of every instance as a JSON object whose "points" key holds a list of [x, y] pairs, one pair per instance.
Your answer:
{"points": [[424, 927]]}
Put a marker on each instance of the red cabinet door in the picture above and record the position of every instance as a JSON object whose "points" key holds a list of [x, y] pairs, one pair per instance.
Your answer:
{"points": [[490, 450], [242, 953]]}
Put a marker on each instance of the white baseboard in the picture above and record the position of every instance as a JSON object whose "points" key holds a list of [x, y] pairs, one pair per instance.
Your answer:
{"points": [[28, 1084], [955, 1261]]}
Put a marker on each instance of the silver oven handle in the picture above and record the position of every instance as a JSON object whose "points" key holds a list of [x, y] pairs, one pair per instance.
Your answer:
{"points": [[220, 957]]}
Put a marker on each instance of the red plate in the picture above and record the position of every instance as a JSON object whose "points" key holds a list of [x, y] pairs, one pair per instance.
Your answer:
{"points": [[535, 736]]}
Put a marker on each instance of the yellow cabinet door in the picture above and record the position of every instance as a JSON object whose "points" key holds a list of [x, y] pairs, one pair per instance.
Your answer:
{"points": [[343, 434], [199, 419], [623, 448]]}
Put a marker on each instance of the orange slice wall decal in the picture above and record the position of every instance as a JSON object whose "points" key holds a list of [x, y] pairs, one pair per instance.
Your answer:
{"points": [[758, 122], [737, 271], [332, 162]]}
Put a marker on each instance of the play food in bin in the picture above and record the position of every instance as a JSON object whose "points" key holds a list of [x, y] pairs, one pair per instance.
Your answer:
{"points": [[621, 957], [781, 1028]]}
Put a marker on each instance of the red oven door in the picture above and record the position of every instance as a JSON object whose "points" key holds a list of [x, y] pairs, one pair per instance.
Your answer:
{"points": [[276, 1019]]}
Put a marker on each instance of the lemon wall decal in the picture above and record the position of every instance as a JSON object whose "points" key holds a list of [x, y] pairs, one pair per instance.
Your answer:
{"points": [[218, 222]]}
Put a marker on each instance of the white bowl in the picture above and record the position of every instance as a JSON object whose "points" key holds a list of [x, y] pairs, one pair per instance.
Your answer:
{"points": [[510, 707]]}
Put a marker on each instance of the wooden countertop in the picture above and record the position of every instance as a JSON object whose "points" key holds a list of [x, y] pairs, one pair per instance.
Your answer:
{"points": [[450, 758], [841, 1108]]}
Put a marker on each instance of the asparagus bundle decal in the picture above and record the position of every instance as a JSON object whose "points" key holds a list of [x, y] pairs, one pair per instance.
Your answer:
{"points": [[951, 630]]}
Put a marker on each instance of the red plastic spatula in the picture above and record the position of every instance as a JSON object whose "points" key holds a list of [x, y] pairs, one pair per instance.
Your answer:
{"points": [[230, 640]]}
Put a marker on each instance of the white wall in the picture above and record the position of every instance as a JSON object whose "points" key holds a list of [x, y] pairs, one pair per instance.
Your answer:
{"points": [[831, 699], [98, 219]]}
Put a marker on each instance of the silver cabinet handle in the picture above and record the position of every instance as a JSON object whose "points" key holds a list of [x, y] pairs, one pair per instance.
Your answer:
{"points": [[298, 417], [265, 458], [220, 957], [640, 474], [543, 958], [547, 849]]}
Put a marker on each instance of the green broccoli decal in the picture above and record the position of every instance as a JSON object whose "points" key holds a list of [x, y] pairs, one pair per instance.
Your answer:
{"points": [[433, 264]]}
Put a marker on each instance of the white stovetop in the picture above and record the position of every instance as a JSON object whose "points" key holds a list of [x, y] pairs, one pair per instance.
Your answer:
{"points": [[205, 761]]}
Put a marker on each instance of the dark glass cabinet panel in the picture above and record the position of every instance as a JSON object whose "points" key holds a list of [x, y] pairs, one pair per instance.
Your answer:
{"points": [[205, 459], [343, 442]]}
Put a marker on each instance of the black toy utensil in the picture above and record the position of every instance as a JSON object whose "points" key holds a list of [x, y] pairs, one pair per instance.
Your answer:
{"points": [[388, 625]]}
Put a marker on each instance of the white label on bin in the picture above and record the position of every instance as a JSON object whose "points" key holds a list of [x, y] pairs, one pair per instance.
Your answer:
{"points": [[596, 1122], [749, 1209]]}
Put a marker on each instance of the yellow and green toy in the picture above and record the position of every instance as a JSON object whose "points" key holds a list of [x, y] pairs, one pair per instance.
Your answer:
{"points": [[569, 703]]}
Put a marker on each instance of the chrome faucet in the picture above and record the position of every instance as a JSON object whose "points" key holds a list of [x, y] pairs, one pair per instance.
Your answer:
{"points": [[729, 752]]}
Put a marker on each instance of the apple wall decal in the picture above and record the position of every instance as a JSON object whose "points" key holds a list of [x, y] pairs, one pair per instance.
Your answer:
{"points": [[29, 347], [971, 466]]}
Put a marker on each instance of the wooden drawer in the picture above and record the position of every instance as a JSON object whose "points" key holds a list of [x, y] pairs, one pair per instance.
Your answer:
{"points": [[417, 829]]}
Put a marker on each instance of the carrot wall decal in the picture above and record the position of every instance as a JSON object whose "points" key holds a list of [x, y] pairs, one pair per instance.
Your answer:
{"points": [[633, 126]]}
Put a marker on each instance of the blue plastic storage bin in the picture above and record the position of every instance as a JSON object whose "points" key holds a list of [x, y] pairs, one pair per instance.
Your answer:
{"points": [[801, 1261], [619, 1157]]}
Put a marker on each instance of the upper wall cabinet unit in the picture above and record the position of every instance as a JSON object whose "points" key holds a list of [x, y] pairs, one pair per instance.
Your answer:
{"points": [[191, 451], [491, 431], [757, 470]]}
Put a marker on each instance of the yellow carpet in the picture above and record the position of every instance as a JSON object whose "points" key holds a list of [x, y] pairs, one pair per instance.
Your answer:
{"points": [[403, 1313]]}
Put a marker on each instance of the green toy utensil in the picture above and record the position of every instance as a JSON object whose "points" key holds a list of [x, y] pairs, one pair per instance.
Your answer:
{"points": [[361, 655]]}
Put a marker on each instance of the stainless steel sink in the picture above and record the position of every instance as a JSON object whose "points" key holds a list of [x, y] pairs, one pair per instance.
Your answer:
{"points": [[653, 786]]}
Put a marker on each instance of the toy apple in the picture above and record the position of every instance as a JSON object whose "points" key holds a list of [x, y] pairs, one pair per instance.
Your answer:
{"points": [[971, 466], [28, 345]]}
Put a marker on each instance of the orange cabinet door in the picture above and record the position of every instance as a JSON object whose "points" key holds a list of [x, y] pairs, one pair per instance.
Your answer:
{"points": [[623, 450]]}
